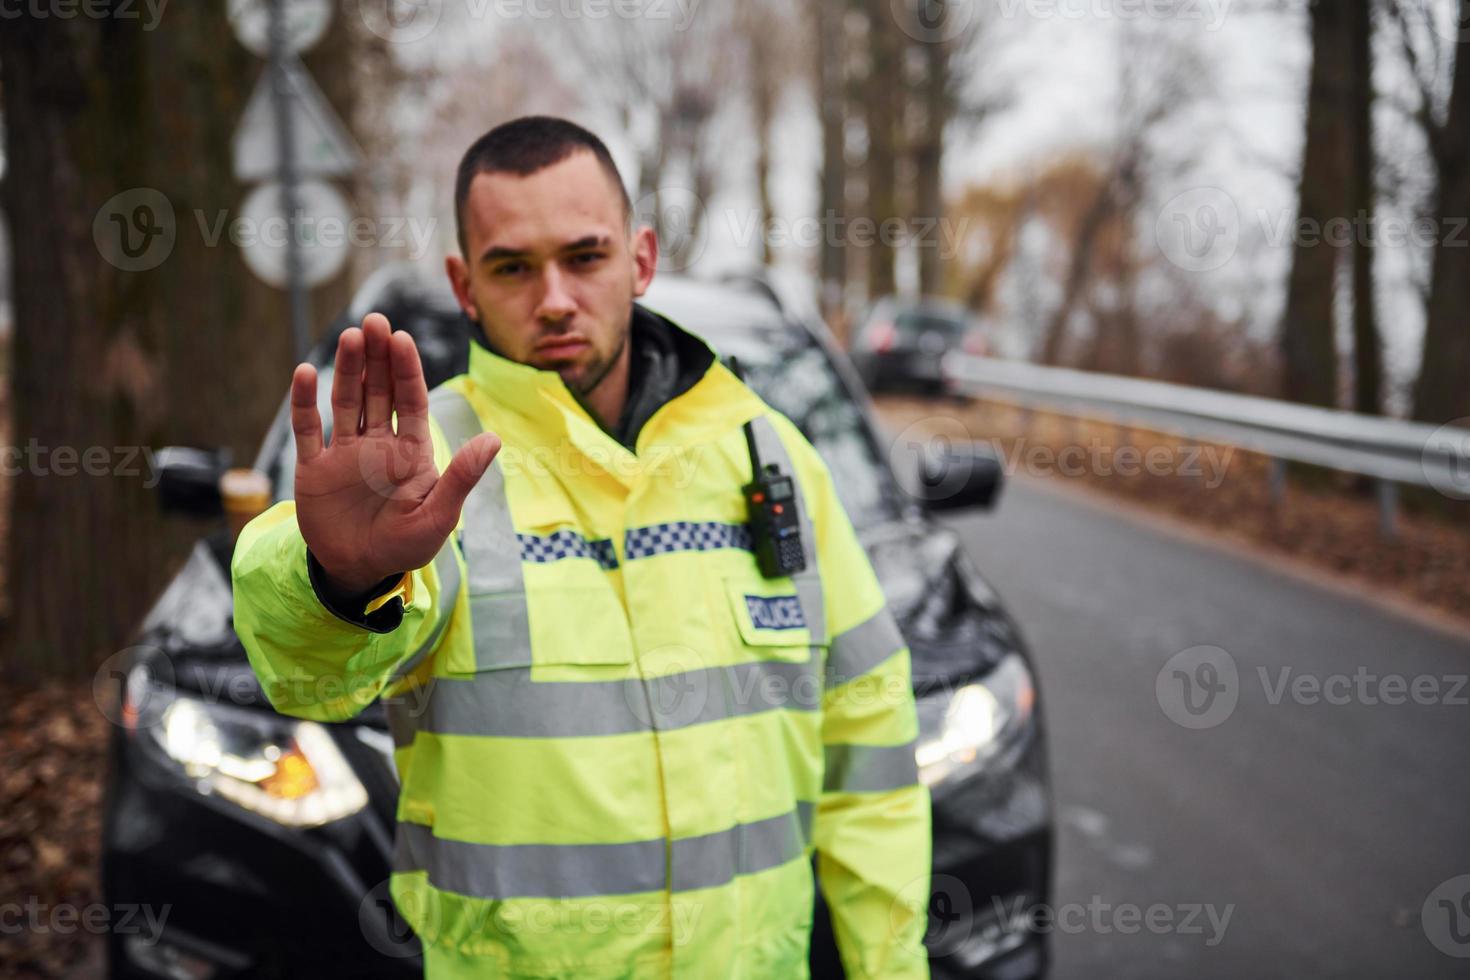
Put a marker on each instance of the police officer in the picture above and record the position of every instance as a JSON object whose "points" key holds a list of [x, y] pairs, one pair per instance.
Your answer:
{"points": [[636, 664]]}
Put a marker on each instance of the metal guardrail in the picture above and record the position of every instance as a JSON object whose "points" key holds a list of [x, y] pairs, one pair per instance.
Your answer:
{"points": [[1390, 451]]}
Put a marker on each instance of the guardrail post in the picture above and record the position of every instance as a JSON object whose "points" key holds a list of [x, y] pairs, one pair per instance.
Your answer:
{"points": [[1276, 471], [1388, 508]]}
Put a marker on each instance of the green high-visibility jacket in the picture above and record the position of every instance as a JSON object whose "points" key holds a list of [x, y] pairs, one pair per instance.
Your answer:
{"points": [[618, 743]]}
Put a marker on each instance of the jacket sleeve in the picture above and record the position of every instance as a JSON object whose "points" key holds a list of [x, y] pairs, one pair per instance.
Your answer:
{"points": [[872, 828], [320, 662]]}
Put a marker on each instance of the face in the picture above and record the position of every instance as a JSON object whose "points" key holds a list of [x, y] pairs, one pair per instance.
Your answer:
{"points": [[552, 268]]}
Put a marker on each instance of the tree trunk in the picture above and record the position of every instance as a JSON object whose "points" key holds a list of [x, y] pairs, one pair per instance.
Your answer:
{"points": [[1308, 342], [137, 324], [928, 161], [1442, 393], [881, 104], [1079, 270], [831, 69], [1367, 346]]}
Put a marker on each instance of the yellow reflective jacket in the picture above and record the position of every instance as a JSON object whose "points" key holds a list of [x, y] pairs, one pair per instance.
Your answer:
{"points": [[618, 743]]}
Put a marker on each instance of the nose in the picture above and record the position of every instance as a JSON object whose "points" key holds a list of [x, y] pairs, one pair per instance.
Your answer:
{"points": [[556, 302]]}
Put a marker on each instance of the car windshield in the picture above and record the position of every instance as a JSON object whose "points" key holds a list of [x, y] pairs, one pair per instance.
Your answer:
{"points": [[794, 375]]}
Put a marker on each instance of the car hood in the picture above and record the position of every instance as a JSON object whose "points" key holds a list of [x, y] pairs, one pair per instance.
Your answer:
{"points": [[953, 620]]}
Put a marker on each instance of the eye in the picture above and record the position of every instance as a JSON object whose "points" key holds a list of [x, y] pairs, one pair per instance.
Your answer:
{"points": [[509, 269], [586, 258]]}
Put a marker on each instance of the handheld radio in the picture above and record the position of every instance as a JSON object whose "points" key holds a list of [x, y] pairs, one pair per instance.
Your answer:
{"points": [[770, 502]]}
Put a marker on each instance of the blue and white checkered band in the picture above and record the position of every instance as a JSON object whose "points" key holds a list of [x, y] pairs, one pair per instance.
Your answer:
{"points": [[779, 612], [656, 539], [567, 544]]}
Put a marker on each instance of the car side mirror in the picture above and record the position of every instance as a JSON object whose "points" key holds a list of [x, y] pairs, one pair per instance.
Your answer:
{"points": [[959, 476], [188, 480]]}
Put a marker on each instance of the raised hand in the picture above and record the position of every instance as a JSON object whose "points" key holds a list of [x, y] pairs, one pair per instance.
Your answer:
{"points": [[372, 503]]}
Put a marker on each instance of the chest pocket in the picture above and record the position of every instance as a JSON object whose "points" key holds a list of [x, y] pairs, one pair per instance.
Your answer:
{"points": [[565, 613], [769, 617]]}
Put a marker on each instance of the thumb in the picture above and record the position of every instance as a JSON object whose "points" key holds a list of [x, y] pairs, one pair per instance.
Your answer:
{"points": [[446, 499]]}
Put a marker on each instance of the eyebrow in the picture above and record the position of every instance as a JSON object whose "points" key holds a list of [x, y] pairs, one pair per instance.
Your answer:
{"points": [[496, 252]]}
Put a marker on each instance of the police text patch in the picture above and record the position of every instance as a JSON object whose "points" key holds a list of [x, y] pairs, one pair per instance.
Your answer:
{"points": [[775, 612]]}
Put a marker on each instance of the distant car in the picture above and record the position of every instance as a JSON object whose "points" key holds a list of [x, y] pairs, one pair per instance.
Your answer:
{"points": [[900, 344], [269, 839]]}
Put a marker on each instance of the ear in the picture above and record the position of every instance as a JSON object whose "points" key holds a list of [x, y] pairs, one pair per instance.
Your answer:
{"points": [[459, 280], [645, 258]]}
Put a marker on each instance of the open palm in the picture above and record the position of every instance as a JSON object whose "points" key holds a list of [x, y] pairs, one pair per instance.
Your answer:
{"points": [[372, 503]]}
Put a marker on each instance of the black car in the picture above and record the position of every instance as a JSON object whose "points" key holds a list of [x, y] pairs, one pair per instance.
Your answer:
{"points": [[268, 838], [900, 344]]}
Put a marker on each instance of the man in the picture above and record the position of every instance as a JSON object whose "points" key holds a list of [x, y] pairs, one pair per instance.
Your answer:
{"points": [[619, 739]]}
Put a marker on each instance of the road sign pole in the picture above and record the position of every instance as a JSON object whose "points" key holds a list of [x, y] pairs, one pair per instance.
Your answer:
{"points": [[296, 290]]}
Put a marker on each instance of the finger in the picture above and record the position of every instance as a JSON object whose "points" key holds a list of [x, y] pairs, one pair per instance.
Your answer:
{"points": [[306, 421], [347, 385], [377, 381], [446, 500], [410, 392]]}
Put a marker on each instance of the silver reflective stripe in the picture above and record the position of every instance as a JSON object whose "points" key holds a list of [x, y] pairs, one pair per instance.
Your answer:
{"points": [[448, 569], [856, 651], [808, 581], [492, 550], [530, 870], [504, 871], [502, 628], [869, 768], [508, 704], [748, 848]]}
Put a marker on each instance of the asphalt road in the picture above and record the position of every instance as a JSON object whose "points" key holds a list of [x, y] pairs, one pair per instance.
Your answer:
{"points": [[1316, 814]]}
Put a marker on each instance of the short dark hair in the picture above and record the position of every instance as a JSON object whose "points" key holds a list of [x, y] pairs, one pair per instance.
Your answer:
{"points": [[522, 147]]}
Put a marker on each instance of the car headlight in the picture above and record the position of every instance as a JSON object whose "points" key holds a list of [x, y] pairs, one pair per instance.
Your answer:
{"points": [[286, 769], [960, 730]]}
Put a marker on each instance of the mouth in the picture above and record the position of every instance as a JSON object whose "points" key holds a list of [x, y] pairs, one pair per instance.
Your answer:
{"points": [[561, 347]]}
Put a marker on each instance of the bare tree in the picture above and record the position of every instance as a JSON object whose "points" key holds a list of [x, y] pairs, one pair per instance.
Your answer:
{"points": [[831, 86], [666, 83], [1308, 341], [1442, 109], [882, 107], [1367, 345], [1161, 77]]}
